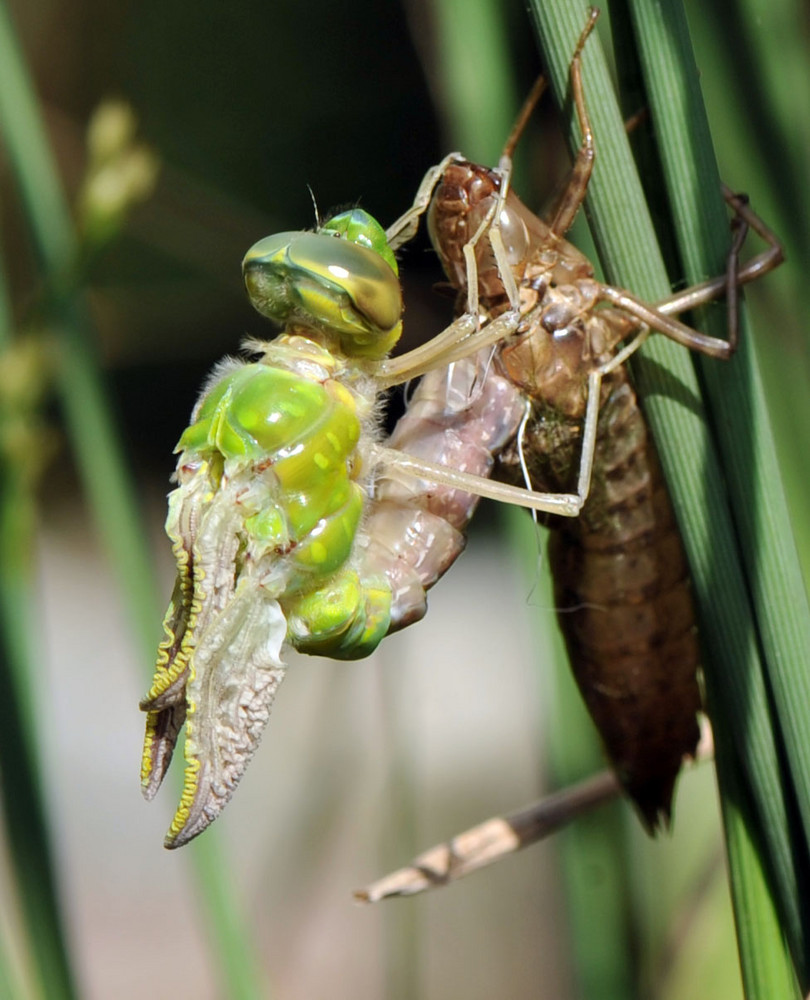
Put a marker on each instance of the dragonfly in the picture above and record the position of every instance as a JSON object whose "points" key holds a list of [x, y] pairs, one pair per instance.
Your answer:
{"points": [[292, 523], [621, 578]]}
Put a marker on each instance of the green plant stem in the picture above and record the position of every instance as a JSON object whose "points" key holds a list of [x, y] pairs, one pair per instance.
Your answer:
{"points": [[765, 962], [735, 677], [737, 400], [475, 76], [21, 790], [741, 425], [23, 801]]}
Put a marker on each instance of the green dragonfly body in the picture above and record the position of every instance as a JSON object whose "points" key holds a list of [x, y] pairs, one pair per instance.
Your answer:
{"points": [[292, 523], [271, 491]]}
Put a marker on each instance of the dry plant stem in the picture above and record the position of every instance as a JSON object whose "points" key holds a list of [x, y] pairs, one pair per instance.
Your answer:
{"points": [[493, 839]]}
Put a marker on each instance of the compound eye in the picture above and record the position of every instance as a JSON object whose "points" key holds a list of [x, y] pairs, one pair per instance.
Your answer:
{"points": [[360, 273], [326, 284]]}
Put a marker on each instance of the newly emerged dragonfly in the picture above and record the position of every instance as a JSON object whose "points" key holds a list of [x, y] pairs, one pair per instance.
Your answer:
{"points": [[621, 578], [278, 532], [291, 523]]}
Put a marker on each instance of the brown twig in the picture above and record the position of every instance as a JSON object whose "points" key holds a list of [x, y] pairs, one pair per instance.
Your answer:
{"points": [[492, 840]]}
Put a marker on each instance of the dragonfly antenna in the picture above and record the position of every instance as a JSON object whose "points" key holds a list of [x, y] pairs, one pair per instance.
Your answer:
{"points": [[318, 220]]}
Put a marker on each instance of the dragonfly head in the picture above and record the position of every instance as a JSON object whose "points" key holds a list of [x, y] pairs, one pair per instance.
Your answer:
{"points": [[357, 226], [341, 279]]}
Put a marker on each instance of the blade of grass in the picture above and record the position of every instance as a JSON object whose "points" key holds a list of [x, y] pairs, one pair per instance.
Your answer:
{"points": [[24, 806], [98, 448], [475, 75], [736, 401], [735, 392], [87, 408], [742, 116], [598, 911], [15, 656], [765, 962], [628, 249], [768, 74]]}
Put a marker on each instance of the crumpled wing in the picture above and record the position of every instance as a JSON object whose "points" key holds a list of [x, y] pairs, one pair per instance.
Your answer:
{"points": [[203, 528], [166, 701], [220, 662], [234, 673]]}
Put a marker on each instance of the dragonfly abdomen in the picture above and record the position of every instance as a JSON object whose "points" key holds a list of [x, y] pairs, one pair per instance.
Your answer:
{"points": [[460, 417], [624, 603]]}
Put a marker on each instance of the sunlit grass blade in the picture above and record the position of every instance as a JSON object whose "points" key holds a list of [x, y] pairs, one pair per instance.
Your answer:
{"points": [[766, 966], [735, 677], [738, 410]]}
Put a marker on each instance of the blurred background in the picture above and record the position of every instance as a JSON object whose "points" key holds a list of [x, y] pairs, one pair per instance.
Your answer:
{"points": [[250, 111]]}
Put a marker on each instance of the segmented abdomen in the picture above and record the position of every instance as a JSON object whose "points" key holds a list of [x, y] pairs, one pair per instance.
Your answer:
{"points": [[623, 596], [460, 417]]}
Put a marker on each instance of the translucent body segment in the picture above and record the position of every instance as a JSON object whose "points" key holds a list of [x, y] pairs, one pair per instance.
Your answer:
{"points": [[414, 532]]}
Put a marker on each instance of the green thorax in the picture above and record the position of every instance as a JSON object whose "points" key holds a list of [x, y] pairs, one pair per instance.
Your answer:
{"points": [[296, 437]]}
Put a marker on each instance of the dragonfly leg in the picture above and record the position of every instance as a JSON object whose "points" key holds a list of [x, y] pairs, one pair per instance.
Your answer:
{"points": [[577, 186], [627, 351], [568, 505], [459, 340], [660, 316], [405, 227], [564, 504], [736, 274], [525, 113], [715, 347]]}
